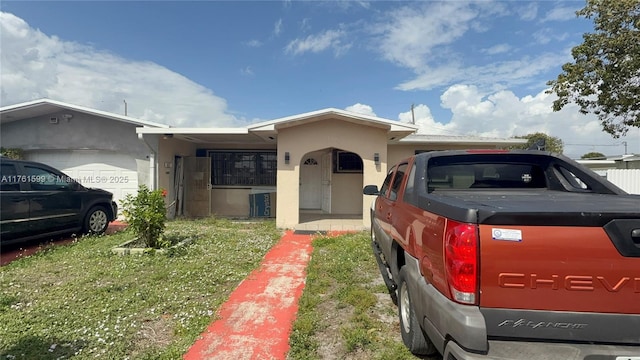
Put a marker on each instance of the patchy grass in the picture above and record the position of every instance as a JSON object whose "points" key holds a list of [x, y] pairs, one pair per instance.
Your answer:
{"points": [[83, 301], [346, 311]]}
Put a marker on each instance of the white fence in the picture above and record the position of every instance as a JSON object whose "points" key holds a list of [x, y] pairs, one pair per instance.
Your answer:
{"points": [[626, 179]]}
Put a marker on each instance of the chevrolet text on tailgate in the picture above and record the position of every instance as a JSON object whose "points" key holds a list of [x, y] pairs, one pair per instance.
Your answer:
{"points": [[496, 254]]}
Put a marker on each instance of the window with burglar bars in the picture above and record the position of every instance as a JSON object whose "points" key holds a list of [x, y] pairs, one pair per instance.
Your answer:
{"points": [[241, 168]]}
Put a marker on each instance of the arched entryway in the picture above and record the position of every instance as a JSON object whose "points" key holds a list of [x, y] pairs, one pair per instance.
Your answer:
{"points": [[330, 186]]}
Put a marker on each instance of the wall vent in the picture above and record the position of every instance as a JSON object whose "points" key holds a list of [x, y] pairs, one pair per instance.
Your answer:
{"points": [[53, 120]]}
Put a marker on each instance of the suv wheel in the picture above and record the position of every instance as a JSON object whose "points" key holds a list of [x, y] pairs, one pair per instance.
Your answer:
{"points": [[96, 221], [412, 335]]}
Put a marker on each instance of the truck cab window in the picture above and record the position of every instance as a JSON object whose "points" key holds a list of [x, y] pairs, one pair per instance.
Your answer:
{"points": [[397, 181]]}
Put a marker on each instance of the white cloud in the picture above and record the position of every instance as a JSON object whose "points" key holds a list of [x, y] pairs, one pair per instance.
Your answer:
{"points": [[528, 12], [503, 114], [361, 109], [277, 28], [411, 33], [497, 49], [422, 117], [254, 43], [546, 35], [431, 40], [498, 74], [560, 13], [35, 66], [330, 39], [423, 38], [305, 25]]}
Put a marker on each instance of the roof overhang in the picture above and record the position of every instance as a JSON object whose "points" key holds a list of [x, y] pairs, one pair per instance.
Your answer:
{"points": [[239, 135], [395, 129], [43, 107], [417, 139]]}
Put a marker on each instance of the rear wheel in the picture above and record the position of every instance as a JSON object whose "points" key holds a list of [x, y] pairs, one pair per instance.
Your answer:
{"points": [[413, 336], [96, 221]]}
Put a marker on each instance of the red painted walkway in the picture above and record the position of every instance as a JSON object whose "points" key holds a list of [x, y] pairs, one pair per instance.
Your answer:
{"points": [[256, 321]]}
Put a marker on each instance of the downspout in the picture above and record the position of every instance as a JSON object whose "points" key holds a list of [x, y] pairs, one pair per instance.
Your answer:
{"points": [[152, 163]]}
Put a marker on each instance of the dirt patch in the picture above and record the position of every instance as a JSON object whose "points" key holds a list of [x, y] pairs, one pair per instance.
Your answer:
{"points": [[330, 338], [156, 333]]}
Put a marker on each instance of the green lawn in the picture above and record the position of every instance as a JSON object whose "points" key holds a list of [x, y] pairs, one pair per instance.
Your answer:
{"points": [[346, 311], [81, 301]]}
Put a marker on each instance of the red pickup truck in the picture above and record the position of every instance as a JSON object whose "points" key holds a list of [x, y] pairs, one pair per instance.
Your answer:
{"points": [[495, 254]]}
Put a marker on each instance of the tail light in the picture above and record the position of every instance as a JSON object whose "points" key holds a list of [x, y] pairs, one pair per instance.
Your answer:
{"points": [[461, 259]]}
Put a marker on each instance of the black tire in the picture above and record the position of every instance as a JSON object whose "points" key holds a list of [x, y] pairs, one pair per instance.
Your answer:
{"points": [[96, 221], [413, 336]]}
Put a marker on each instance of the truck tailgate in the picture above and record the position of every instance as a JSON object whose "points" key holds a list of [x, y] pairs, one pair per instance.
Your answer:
{"points": [[561, 252], [557, 268]]}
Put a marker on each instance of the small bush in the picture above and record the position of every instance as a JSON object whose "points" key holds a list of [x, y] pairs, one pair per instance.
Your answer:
{"points": [[146, 215], [17, 154]]}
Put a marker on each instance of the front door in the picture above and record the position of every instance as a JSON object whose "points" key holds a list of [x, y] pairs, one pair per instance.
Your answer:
{"points": [[310, 184], [197, 178]]}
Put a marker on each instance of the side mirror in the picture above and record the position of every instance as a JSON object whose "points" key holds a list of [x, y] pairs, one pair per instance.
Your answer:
{"points": [[371, 190]]}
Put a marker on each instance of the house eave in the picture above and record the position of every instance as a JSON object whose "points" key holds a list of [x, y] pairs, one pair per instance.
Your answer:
{"points": [[269, 129], [418, 139], [212, 136], [42, 107], [318, 115]]}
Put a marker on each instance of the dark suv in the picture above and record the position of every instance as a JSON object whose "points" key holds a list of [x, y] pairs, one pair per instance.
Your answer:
{"points": [[38, 200]]}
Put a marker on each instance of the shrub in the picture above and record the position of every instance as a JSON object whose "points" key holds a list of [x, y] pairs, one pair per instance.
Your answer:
{"points": [[17, 154], [146, 215]]}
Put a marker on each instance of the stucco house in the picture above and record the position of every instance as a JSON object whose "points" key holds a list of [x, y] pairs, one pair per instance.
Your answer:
{"points": [[298, 168], [311, 165], [97, 148]]}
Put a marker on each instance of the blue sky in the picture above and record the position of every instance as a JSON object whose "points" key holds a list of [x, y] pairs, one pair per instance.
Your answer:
{"points": [[469, 68]]}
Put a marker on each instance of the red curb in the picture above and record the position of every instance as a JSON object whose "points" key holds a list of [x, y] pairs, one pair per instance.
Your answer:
{"points": [[256, 321]]}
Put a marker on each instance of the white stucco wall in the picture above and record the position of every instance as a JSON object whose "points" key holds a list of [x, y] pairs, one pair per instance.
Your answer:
{"points": [[81, 133]]}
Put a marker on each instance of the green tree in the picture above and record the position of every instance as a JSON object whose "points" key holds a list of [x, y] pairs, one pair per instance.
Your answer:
{"points": [[593, 155], [552, 143], [604, 78]]}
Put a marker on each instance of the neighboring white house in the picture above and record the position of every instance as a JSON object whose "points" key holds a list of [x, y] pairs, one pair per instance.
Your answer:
{"points": [[97, 148], [623, 171]]}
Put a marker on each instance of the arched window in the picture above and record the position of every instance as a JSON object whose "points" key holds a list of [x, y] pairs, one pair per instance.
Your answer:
{"points": [[310, 161]]}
